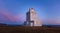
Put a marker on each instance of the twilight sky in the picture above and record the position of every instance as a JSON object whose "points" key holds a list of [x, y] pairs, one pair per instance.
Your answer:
{"points": [[14, 11]]}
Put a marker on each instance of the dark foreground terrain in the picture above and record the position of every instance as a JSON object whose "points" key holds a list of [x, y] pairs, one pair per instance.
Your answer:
{"points": [[27, 29]]}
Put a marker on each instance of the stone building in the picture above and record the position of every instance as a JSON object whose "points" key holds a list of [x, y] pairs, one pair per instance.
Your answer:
{"points": [[31, 18]]}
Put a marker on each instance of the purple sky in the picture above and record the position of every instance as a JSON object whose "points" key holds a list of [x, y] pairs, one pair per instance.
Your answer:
{"points": [[13, 11]]}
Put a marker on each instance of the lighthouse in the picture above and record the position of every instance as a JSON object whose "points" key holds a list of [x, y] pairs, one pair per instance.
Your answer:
{"points": [[31, 18]]}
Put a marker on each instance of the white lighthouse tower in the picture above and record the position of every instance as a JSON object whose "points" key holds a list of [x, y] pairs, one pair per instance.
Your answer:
{"points": [[31, 18]]}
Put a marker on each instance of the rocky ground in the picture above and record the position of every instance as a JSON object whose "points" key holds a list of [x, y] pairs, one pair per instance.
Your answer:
{"points": [[28, 29]]}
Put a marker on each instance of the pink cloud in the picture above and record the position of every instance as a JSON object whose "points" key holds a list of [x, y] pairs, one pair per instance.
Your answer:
{"points": [[52, 21], [5, 15]]}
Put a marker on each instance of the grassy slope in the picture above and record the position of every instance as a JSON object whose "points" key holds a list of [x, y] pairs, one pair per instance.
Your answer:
{"points": [[27, 29]]}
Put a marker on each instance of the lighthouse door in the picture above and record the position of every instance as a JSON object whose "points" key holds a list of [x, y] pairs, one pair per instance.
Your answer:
{"points": [[31, 24]]}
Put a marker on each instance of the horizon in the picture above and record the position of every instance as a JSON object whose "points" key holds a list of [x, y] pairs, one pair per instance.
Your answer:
{"points": [[14, 11]]}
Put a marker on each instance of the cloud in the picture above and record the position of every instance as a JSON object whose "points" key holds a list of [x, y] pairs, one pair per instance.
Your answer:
{"points": [[5, 15], [51, 21]]}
